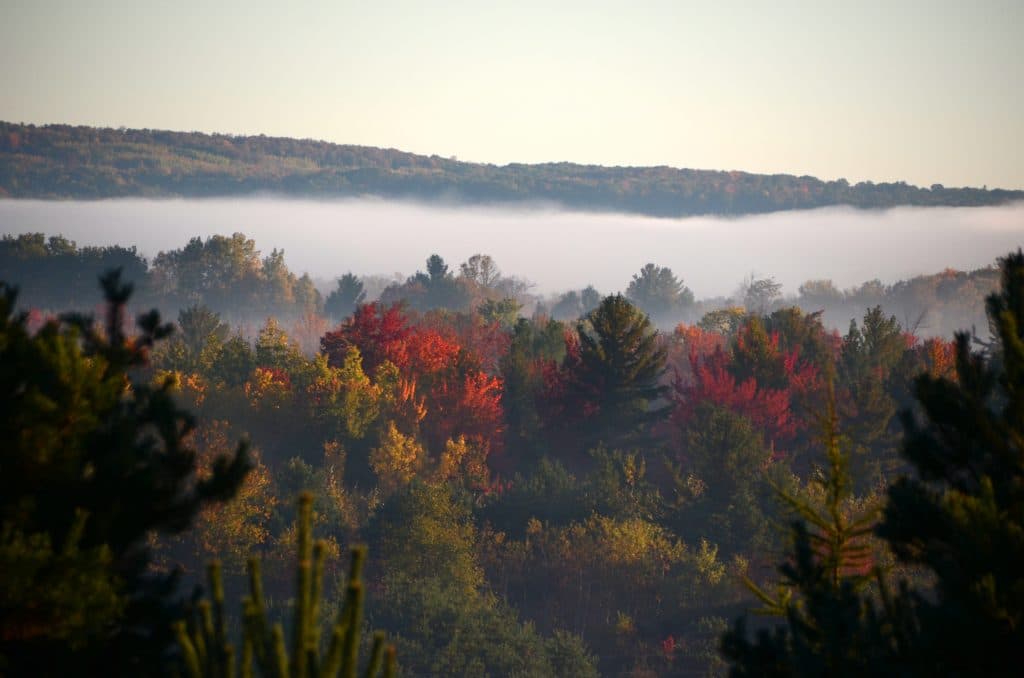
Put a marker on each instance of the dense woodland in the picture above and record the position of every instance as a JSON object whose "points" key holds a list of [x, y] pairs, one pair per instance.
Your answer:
{"points": [[570, 491], [231, 277], [61, 161]]}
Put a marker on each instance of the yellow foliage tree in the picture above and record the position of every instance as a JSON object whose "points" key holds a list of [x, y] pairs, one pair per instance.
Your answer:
{"points": [[230, 532], [465, 461], [397, 460]]}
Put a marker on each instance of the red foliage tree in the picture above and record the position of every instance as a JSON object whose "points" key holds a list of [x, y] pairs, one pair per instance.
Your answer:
{"points": [[768, 409], [379, 333], [468, 405], [458, 396]]}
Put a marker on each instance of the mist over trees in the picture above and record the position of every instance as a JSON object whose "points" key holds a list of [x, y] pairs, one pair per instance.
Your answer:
{"points": [[581, 484], [230, 276]]}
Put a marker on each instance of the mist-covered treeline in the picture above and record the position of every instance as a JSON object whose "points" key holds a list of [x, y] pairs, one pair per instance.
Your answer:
{"points": [[230, 276], [569, 491], [61, 161]]}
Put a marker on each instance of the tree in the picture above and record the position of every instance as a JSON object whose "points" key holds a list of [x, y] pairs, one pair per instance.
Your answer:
{"points": [[503, 312], [197, 345], [234, 363], [343, 299], [959, 520], [220, 272], [206, 652], [724, 321], [481, 270], [275, 349], [590, 298], [95, 460], [380, 333], [658, 292], [533, 347], [816, 295], [721, 485], [567, 307], [760, 293], [869, 355], [436, 268], [437, 288], [614, 381], [961, 515], [830, 627], [54, 273], [433, 595]]}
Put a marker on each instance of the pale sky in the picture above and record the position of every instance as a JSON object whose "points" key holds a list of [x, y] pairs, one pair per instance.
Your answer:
{"points": [[927, 92]]}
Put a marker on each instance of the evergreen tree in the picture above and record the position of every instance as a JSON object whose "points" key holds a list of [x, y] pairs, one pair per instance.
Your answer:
{"points": [[724, 492], [615, 379], [959, 520], [94, 461], [343, 300], [206, 652], [961, 515], [658, 292], [869, 354], [831, 628], [197, 345]]}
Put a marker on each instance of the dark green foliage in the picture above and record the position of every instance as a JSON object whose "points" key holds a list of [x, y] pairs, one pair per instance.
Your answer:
{"points": [[112, 162], [549, 493], [446, 633], [615, 380], [235, 362], [870, 353], [590, 299], [722, 492], [94, 461], [227, 275], [961, 515], [755, 354], [55, 274], [205, 651], [830, 628], [618, 486], [568, 307], [437, 288], [803, 333], [433, 595], [198, 343], [658, 292], [343, 299], [503, 312], [533, 346]]}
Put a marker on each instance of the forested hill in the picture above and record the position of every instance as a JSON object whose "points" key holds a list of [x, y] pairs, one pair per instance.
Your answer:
{"points": [[60, 161]]}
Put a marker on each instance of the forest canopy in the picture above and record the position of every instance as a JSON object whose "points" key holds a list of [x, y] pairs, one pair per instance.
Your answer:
{"points": [[578, 485], [63, 161]]}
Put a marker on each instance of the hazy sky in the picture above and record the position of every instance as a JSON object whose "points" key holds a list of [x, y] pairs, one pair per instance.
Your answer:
{"points": [[920, 91]]}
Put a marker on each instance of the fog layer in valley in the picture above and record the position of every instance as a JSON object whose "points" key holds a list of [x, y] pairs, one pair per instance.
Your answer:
{"points": [[554, 249]]}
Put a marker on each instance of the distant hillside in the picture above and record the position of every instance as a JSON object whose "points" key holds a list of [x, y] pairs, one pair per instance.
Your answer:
{"points": [[60, 161]]}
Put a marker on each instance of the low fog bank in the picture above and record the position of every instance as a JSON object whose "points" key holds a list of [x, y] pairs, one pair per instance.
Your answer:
{"points": [[556, 250]]}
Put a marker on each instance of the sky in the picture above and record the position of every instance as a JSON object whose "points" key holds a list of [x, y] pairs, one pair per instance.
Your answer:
{"points": [[924, 92]]}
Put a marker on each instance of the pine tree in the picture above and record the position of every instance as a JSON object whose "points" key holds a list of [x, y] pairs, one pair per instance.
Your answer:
{"points": [[94, 460], [343, 300], [206, 652], [831, 628], [962, 515], [616, 375]]}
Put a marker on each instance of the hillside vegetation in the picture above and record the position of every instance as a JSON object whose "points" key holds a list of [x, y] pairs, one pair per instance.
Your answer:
{"points": [[61, 161]]}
